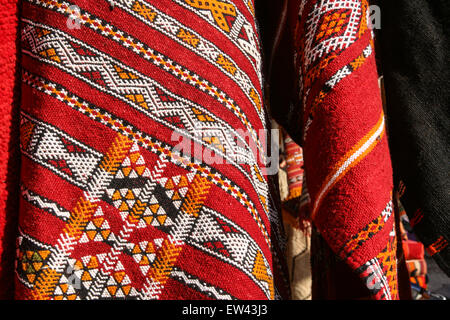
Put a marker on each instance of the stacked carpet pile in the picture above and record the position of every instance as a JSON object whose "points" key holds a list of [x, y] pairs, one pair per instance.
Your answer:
{"points": [[137, 157], [294, 159], [298, 230], [414, 253]]}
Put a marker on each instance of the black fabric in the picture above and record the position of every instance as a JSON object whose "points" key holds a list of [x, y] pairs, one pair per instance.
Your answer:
{"points": [[277, 21], [415, 44]]}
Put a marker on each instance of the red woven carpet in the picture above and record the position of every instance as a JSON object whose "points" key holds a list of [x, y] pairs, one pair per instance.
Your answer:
{"points": [[349, 176], [335, 113], [9, 157], [109, 208]]}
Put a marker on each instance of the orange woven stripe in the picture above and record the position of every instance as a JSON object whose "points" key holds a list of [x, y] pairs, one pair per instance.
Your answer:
{"points": [[80, 215], [339, 166]]}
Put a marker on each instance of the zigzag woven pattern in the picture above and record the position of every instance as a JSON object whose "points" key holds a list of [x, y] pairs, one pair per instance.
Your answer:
{"points": [[117, 211]]}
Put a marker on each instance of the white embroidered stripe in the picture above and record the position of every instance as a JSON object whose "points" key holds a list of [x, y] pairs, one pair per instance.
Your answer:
{"points": [[348, 163]]}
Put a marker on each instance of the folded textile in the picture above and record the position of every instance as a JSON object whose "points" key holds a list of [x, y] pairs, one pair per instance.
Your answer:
{"points": [[9, 155], [415, 54], [298, 231], [332, 278], [114, 203], [294, 202], [417, 267], [334, 111], [294, 159], [413, 250]]}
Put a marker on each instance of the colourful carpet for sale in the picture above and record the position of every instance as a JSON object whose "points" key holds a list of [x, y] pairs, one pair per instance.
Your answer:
{"points": [[143, 167], [337, 106], [298, 253]]}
